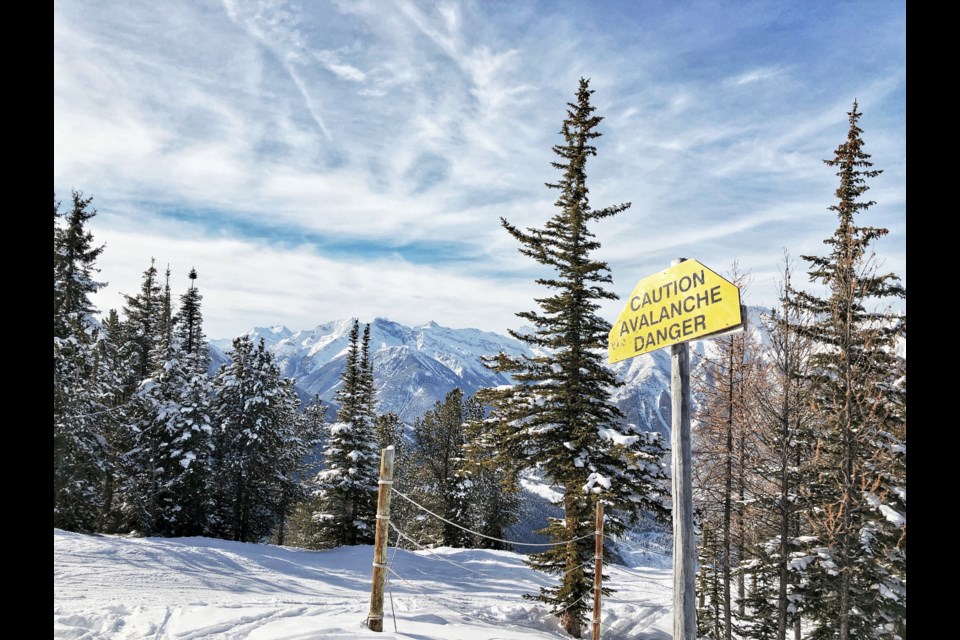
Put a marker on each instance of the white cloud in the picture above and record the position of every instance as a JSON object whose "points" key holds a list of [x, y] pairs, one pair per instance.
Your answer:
{"points": [[204, 131], [756, 75]]}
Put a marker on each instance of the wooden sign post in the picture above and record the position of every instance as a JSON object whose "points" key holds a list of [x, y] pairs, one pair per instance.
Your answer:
{"points": [[688, 301]]}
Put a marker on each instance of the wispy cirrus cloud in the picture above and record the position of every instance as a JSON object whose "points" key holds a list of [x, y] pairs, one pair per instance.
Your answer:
{"points": [[331, 136]]}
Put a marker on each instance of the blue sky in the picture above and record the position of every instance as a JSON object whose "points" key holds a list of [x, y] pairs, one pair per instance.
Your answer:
{"points": [[322, 160]]}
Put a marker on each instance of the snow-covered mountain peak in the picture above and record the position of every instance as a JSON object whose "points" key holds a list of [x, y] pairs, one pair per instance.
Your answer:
{"points": [[414, 367]]}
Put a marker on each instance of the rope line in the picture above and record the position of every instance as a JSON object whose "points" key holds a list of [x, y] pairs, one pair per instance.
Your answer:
{"points": [[477, 533], [429, 552], [441, 603], [583, 600], [434, 555], [637, 546], [629, 572]]}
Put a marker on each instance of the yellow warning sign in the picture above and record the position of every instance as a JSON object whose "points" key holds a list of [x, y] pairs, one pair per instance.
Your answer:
{"points": [[685, 302]]}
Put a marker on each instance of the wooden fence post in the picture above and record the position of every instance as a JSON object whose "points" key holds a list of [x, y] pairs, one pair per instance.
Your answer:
{"points": [[375, 617]]}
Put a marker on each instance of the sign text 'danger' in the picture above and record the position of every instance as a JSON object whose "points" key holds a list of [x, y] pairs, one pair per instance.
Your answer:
{"points": [[685, 302]]}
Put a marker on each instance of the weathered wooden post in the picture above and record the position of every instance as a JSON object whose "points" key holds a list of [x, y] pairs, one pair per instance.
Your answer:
{"points": [[681, 453], [375, 617], [597, 570]]}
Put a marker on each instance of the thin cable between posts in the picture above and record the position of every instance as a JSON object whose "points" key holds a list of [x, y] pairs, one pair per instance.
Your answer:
{"points": [[401, 535], [440, 602], [477, 533], [637, 546], [629, 572], [430, 553], [450, 608]]}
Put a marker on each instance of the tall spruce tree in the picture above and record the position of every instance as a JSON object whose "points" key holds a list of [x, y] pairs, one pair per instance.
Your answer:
{"points": [[559, 417], [855, 482], [189, 322], [347, 485], [114, 421], [178, 432], [79, 458], [300, 530], [165, 323], [144, 351], [439, 458], [143, 314], [74, 260], [493, 479], [255, 425]]}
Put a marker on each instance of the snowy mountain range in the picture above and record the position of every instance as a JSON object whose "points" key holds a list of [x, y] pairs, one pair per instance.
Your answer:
{"points": [[414, 367]]}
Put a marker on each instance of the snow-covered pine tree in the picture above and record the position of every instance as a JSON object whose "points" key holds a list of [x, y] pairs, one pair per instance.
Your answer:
{"points": [[559, 417], [255, 415], [855, 586], [165, 323], [189, 322], [112, 370], [494, 480], [145, 340], [438, 459], [347, 485], [179, 431], [300, 530], [74, 259], [79, 460], [142, 316]]}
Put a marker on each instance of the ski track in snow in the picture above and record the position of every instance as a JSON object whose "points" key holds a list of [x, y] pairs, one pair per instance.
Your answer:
{"points": [[122, 588]]}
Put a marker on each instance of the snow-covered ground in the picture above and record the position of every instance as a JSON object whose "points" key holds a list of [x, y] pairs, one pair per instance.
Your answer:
{"points": [[190, 588]]}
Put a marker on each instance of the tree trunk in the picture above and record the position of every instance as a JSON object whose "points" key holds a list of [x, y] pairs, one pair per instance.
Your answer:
{"points": [[570, 621], [782, 573], [727, 494]]}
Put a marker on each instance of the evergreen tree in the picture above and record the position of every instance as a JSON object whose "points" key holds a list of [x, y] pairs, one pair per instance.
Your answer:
{"points": [[74, 257], [300, 529], [855, 482], [163, 346], [116, 424], [347, 486], [143, 313], [493, 479], [144, 354], [255, 421], [559, 416], [366, 377], [178, 433], [189, 322], [174, 446], [79, 460], [441, 482], [390, 434]]}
